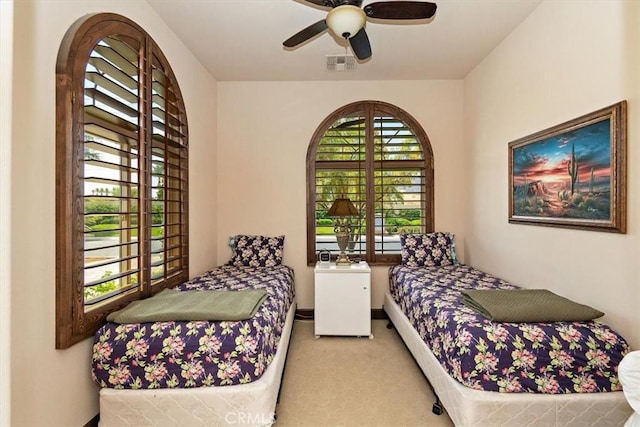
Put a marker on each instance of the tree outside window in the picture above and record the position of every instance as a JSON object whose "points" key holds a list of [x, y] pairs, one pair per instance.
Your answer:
{"points": [[380, 158]]}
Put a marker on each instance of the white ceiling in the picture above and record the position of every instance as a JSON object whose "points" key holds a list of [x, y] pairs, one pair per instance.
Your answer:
{"points": [[241, 40]]}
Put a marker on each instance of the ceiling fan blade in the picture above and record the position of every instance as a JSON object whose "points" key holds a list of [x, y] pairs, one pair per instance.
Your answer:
{"points": [[360, 44], [400, 10], [305, 34], [324, 3]]}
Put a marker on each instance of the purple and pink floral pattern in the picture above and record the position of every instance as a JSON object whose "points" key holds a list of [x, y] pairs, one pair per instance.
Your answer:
{"points": [[257, 251], [198, 353], [430, 249], [553, 358]]}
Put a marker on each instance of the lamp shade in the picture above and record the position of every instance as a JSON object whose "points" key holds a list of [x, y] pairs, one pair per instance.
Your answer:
{"points": [[342, 207], [346, 20]]}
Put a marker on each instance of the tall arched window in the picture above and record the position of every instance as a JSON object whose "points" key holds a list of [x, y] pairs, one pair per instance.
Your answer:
{"points": [[121, 205], [379, 157]]}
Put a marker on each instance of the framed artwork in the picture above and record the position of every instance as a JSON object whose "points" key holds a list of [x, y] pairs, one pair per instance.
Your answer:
{"points": [[573, 174]]}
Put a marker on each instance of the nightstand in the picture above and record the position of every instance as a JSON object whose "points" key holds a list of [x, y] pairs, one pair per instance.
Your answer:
{"points": [[342, 299]]}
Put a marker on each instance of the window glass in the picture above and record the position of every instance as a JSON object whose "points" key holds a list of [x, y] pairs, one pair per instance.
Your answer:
{"points": [[378, 157]]}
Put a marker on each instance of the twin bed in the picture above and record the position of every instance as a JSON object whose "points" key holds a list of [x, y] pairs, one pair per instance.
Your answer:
{"points": [[485, 373], [491, 373], [203, 373]]}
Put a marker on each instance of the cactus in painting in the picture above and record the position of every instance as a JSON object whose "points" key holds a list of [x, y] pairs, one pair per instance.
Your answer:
{"points": [[563, 196], [572, 168], [591, 182]]}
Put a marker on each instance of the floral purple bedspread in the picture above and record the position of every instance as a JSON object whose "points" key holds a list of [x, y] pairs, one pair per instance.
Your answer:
{"points": [[198, 353], [554, 358]]}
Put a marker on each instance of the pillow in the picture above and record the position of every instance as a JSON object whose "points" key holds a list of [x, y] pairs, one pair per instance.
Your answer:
{"points": [[257, 251], [430, 249]]}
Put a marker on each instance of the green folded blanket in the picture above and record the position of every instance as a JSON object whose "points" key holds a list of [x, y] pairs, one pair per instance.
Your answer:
{"points": [[170, 305], [527, 305]]}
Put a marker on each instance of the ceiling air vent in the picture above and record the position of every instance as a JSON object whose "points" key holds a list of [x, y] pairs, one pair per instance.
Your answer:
{"points": [[345, 62]]}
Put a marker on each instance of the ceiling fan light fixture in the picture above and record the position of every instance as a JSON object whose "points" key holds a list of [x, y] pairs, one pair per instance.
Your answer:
{"points": [[346, 20]]}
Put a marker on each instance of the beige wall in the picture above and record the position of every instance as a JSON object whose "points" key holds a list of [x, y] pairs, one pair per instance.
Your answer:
{"points": [[53, 387], [6, 72], [567, 59], [264, 129]]}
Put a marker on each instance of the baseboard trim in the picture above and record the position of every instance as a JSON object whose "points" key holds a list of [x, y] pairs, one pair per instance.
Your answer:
{"points": [[304, 314], [308, 314], [93, 422], [379, 314]]}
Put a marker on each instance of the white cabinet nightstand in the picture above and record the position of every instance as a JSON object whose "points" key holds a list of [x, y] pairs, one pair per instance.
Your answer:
{"points": [[342, 299]]}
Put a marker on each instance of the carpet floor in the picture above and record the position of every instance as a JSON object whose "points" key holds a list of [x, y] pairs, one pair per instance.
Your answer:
{"points": [[349, 381]]}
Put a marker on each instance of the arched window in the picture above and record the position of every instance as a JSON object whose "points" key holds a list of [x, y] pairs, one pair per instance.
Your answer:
{"points": [[121, 183], [379, 157]]}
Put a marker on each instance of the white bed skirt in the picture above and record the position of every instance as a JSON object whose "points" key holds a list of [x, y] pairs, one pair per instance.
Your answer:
{"points": [[478, 408], [251, 404]]}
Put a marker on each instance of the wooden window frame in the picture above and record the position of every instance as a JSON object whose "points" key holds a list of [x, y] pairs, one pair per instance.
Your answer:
{"points": [[74, 323], [369, 109]]}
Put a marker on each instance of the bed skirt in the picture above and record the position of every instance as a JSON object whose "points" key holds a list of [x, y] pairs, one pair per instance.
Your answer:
{"points": [[251, 404], [478, 408]]}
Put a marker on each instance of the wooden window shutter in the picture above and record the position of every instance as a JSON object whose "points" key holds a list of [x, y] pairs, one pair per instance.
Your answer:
{"points": [[380, 158], [122, 173]]}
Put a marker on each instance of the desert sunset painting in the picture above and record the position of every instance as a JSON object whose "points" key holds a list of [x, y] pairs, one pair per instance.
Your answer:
{"points": [[567, 175]]}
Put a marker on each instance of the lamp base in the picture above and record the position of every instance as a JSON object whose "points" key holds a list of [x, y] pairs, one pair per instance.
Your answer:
{"points": [[343, 259]]}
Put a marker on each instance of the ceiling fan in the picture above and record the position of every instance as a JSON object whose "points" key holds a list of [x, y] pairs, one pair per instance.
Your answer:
{"points": [[347, 19]]}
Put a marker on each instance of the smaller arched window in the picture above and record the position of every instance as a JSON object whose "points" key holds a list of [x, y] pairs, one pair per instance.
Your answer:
{"points": [[121, 173], [379, 157]]}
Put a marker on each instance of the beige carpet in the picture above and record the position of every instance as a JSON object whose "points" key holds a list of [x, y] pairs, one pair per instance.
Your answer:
{"points": [[349, 381]]}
